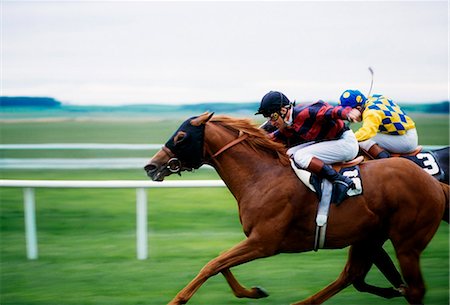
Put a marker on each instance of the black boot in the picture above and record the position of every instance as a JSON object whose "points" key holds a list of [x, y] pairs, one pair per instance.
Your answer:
{"points": [[383, 154], [377, 152], [341, 184]]}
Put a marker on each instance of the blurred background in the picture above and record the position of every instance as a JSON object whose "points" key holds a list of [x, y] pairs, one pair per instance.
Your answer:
{"points": [[80, 78]]}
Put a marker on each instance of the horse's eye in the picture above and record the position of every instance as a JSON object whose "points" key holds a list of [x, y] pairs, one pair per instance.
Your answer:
{"points": [[180, 136]]}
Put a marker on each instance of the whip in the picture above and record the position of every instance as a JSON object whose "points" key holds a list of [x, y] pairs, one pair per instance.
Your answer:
{"points": [[371, 83]]}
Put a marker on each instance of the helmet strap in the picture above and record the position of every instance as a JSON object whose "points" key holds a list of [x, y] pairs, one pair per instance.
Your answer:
{"points": [[284, 113]]}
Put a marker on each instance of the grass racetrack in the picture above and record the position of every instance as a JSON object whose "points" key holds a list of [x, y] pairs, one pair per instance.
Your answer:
{"points": [[87, 237]]}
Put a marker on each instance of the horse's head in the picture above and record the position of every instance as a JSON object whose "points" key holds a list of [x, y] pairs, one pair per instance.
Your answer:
{"points": [[183, 151]]}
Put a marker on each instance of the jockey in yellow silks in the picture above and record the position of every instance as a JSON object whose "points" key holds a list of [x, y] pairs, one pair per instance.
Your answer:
{"points": [[386, 128]]}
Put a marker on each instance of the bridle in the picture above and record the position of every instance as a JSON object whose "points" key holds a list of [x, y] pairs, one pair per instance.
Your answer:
{"points": [[174, 164], [239, 139]]}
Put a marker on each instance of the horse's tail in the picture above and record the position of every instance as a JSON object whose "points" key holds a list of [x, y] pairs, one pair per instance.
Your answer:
{"points": [[446, 189]]}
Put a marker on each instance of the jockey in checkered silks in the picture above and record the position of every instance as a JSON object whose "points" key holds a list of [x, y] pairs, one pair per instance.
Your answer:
{"points": [[316, 136], [386, 128]]}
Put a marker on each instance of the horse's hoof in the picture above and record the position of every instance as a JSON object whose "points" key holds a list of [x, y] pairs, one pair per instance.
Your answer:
{"points": [[401, 290], [261, 292], [393, 293]]}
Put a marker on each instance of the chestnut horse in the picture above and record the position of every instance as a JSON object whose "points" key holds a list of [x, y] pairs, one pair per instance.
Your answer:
{"points": [[400, 202]]}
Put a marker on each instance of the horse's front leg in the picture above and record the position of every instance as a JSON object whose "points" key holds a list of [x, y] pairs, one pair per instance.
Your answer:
{"points": [[242, 292], [243, 252]]}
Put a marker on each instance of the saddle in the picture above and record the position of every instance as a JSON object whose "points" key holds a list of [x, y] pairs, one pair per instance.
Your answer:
{"points": [[413, 153]]}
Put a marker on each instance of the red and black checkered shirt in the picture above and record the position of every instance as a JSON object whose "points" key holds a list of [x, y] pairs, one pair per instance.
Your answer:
{"points": [[316, 122]]}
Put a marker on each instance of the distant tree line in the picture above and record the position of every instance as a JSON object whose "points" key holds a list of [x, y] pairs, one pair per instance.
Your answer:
{"points": [[24, 101], [223, 107]]}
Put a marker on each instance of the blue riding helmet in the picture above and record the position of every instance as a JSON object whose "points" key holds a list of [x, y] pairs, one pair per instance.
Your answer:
{"points": [[352, 98]]}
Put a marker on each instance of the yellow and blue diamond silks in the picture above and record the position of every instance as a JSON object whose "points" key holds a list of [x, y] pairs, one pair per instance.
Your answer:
{"points": [[384, 116]]}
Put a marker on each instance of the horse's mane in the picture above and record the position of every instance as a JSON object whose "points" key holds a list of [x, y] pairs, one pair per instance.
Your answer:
{"points": [[257, 138]]}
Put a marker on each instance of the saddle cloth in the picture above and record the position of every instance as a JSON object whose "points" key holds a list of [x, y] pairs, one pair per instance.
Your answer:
{"points": [[349, 169], [428, 162]]}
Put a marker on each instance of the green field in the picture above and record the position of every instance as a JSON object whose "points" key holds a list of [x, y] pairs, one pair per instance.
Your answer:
{"points": [[87, 237]]}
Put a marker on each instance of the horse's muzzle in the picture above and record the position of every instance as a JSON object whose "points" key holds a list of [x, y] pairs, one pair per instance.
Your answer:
{"points": [[153, 172]]}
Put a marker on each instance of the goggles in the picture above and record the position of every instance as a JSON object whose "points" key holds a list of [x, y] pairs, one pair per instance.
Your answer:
{"points": [[274, 116]]}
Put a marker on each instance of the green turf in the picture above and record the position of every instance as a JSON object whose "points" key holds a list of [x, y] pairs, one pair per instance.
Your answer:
{"points": [[88, 132], [432, 130], [87, 251]]}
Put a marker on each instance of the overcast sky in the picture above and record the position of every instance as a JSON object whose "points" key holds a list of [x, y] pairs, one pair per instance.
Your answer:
{"points": [[119, 52]]}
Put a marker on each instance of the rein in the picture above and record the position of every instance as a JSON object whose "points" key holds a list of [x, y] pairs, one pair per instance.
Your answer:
{"points": [[168, 152], [231, 144]]}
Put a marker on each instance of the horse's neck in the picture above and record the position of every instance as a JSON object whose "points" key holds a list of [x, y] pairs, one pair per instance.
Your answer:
{"points": [[240, 167]]}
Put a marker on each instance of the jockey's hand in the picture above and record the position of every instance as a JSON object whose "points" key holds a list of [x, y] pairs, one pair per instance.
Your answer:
{"points": [[354, 116]]}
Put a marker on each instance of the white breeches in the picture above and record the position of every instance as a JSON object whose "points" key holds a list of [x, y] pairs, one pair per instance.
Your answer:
{"points": [[400, 144], [332, 151]]}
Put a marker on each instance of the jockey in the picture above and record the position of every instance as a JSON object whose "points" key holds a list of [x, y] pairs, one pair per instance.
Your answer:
{"points": [[317, 134], [386, 128]]}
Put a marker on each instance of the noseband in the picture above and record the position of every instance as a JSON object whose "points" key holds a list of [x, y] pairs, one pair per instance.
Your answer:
{"points": [[174, 164]]}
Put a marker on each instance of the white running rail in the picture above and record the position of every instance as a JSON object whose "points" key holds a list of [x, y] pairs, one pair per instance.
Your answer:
{"points": [[88, 146], [141, 203], [64, 146]]}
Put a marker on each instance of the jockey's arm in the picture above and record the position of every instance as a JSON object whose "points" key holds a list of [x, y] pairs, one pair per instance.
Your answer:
{"points": [[271, 136], [278, 136], [334, 113], [369, 129]]}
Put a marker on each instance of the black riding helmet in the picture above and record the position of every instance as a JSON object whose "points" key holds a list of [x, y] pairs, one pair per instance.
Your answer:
{"points": [[272, 102]]}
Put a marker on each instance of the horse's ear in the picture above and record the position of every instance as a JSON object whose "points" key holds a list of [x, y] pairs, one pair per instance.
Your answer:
{"points": [[202, 119]]}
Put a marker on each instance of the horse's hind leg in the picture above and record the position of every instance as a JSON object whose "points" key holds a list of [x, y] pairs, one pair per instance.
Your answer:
{"points": [[408, 249], [240, 291], [409, 264], [411, 236], [384, 263], [358, 264]]}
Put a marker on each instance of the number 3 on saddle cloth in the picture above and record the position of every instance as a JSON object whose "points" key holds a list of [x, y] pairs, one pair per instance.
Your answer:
{"points": [[428, 162], [324, 190]]}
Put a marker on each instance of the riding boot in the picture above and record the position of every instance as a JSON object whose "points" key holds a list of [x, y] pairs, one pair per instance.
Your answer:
{"points": [[376, 152], [341, 184]]}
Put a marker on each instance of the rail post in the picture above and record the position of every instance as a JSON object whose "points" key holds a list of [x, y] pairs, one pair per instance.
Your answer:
{"points": [[141, 223], [141, 203], [30, 223]]}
